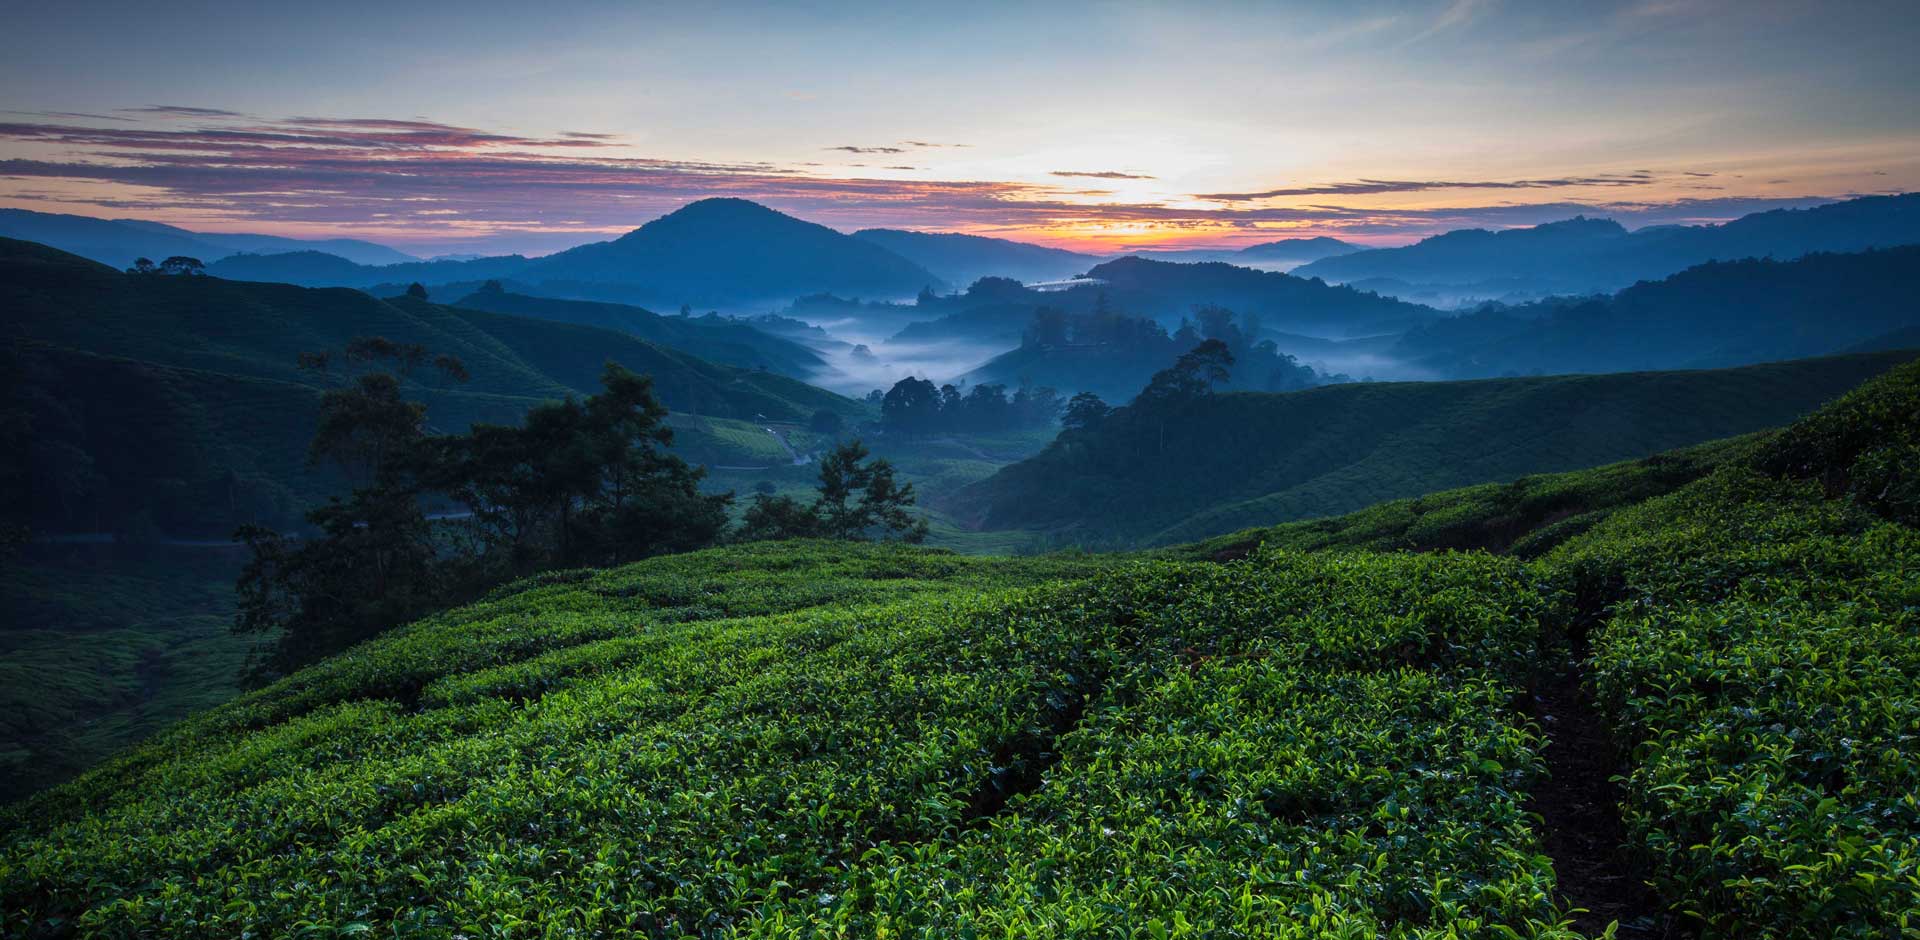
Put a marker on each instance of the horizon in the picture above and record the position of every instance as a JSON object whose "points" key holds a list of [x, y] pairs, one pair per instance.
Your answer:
{"points": [[477, 133]]}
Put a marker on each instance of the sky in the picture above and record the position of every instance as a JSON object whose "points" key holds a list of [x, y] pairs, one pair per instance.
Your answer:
{"points": [[490, 127]]}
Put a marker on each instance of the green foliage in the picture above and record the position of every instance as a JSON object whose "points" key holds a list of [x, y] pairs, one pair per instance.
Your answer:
{"points": [[1527, 517], [829, 737], [1195, 467], [881, 506], [105, 644], [580, 482]]}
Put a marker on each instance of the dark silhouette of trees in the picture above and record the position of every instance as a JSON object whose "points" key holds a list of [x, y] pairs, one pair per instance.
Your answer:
{"points": [[1085, 411], [579, 482], [1192, 375], [417, 291], [858, 500], [142, 266], [181, 265], [914, 406]]}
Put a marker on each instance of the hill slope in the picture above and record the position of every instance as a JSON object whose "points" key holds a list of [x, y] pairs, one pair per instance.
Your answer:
{"points": [[962, 259], [1284, 302], [314, 268], [1716, 314], [1230, 461], [117, 242], [714, 338], [1582, 256], [209, 366], [809, 738]]}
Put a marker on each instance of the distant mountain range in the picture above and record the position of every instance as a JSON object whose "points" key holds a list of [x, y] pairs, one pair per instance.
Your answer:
{"points": [[714, 253], [1585, 256], [320, 269], [962, 259], [1715, 314], [118, 242], [1285, 254]]}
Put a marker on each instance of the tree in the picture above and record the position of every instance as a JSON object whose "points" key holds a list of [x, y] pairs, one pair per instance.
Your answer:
{"points": [[1047, 328], [1192, 375], [142, 266], [367, 427], [911, 407], [581, 482], [857, 501], [578, 482], [1210, 362], [1035, 406], [181, 265], [417, 291], [1216, 322], [1085, 411]]}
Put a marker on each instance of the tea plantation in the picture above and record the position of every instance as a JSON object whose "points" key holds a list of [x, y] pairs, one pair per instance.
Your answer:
{"points": [[837, 740]]}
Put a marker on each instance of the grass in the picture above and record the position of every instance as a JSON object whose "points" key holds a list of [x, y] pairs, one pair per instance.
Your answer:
{"points": [[106, 645]]}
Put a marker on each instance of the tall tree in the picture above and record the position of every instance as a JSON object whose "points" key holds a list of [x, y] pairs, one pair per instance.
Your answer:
{"points": [[859, 499]]}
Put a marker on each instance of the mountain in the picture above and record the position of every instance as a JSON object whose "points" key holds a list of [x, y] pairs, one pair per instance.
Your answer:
{"points": [[1716, 314], [352, 249], [713, 338], [963, 259], [1298, 251], [1583, 256], [996, 312], [163, 390], [321, 269], [112, 243], [1228, 461], [1282, 301], [1282, 255], [816, 738], [1115, 356], [728, 252], [118, 242]]}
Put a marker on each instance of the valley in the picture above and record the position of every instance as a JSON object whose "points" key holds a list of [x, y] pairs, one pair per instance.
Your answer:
{"points": [[740, 574]]}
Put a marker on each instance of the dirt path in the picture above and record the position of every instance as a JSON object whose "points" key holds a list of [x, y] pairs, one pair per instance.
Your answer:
{"points": [[1582, 829], [797, 459]]}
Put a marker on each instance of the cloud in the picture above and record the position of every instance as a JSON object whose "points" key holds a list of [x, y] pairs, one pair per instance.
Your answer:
{"points": [[417, 180], [74, 115], [175, 110], [1101, 174], [1367, 187], [852, 149]]}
